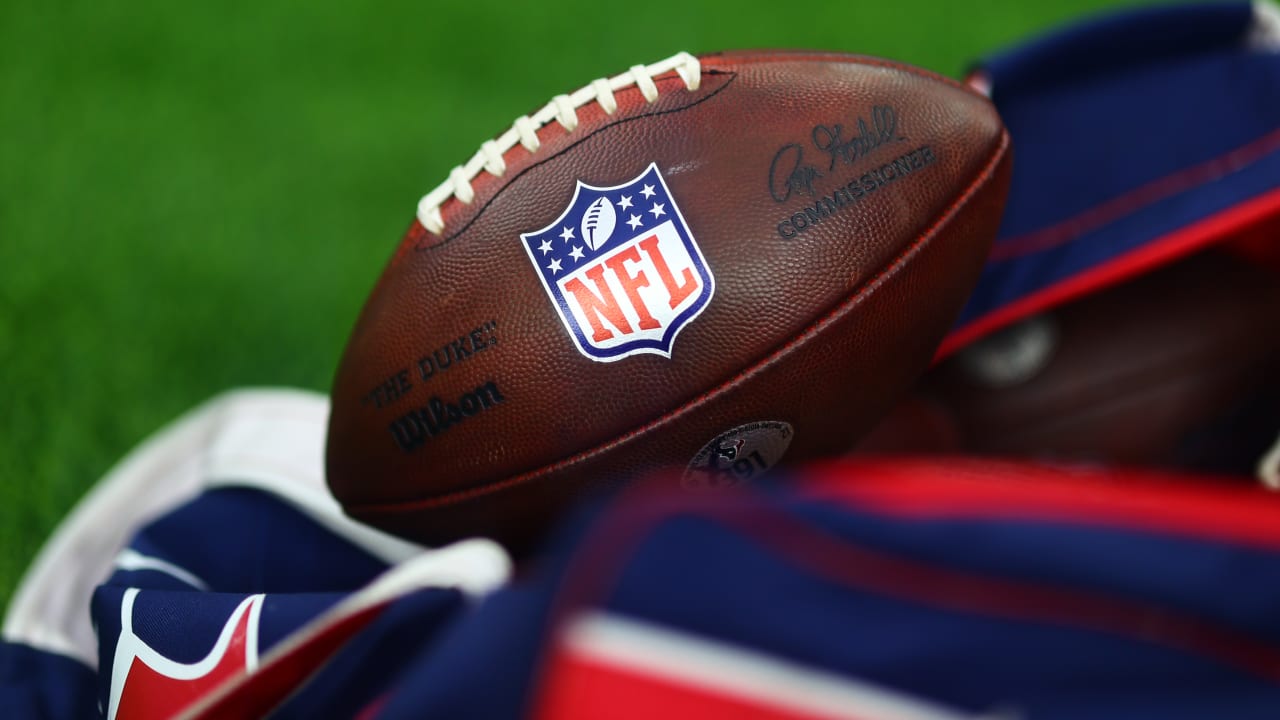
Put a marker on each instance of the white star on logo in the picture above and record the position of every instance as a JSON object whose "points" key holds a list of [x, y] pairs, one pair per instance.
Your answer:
{"points": [[567, 234], [545, 247], [648, 191], [624, 202], [554, 267], [657, 210], [635, 222], [576, 254]]}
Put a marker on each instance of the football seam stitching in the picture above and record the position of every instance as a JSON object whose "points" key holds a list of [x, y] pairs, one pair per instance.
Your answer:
{"points": [[866, 60], [420, 245], [460, 496]]}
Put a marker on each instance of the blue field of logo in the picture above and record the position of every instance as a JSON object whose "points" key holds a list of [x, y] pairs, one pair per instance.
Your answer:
{"points": [[622, 268]]}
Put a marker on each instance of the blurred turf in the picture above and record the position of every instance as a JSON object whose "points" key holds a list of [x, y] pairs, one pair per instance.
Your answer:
{"points": [[197, 196]]}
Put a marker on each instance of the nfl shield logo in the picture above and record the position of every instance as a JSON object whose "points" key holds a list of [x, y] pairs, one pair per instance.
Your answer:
{"points": [[622, 268]]}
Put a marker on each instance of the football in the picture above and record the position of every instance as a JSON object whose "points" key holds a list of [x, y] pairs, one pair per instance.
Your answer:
{"points": [[1175, 369], [712, 263]]}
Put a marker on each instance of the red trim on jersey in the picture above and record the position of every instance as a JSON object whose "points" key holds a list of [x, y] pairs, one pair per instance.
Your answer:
{"points": [[871, 569], [582, 688], [969, 487], [1176, 244], [285, 670], [151, 693], [959, 488], [1127, 203]]}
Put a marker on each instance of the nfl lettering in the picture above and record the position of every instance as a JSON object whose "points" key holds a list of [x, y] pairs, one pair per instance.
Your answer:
{"points": [[622, 268]]}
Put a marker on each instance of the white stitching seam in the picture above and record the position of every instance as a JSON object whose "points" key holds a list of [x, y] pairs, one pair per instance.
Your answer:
{"points": [[562, 109]]}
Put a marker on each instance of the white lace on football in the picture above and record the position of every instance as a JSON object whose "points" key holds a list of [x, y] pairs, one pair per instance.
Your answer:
{"points": [[562, 109]]}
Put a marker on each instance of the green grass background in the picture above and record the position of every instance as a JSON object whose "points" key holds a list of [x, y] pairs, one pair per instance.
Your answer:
{"points": [[197, 196]]}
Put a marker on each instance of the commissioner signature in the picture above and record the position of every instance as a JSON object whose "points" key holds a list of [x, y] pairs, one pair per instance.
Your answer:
{"points": [[789, 173]]}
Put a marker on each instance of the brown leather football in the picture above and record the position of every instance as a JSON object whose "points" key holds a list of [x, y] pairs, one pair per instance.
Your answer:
{"points": [[707, 263], [1176, 369]]}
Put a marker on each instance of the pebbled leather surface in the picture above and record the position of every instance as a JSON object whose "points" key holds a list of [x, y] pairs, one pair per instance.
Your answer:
{"points": [[1172, 370], [823, 330]]}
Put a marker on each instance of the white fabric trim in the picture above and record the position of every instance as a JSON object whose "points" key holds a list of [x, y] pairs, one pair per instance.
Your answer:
{"points": [[131, 560], [50, 609], [271, 440], [683, 659], [476, 567], [1264, 36], [562, 109], [283, 454]]}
